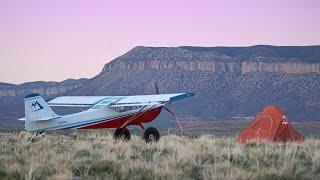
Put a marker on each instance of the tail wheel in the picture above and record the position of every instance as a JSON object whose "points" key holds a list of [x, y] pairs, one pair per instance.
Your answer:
{"points": [[122, 134], [151, 134]]}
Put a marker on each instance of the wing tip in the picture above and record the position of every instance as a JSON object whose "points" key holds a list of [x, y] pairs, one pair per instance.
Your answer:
{"points": [[182, 96]]}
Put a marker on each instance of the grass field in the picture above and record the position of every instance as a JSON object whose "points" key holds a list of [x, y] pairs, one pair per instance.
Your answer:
{"points": [[95, 155]]}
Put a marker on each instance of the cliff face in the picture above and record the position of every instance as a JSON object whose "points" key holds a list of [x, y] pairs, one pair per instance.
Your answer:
{"points": [[212, 66], [254, 59], [280, 67], [228, 81]]}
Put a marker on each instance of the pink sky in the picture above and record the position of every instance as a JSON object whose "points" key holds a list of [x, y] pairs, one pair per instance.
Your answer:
{"points": [[60, 39]]}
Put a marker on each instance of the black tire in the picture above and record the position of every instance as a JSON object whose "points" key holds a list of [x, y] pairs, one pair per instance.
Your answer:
{"points": [[151, 134], [122, 134]]}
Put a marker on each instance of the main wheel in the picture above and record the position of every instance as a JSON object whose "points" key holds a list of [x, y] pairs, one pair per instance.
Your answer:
{"points": [[122, 134], [151, 134]]}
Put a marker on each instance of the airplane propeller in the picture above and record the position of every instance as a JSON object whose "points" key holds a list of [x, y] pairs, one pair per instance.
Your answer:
{"points": [[157, 88], [170, 105]]}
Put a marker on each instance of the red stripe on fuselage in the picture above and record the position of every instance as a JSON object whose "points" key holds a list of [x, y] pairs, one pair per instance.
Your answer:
{"points": [[143, 117]]}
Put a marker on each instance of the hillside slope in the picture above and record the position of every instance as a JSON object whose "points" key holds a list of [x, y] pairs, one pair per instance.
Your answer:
{"points": [[229, 82]]}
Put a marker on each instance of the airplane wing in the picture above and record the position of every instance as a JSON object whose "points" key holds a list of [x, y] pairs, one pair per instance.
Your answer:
{"points": [[153, 98], [82, 101], [88, 101]]}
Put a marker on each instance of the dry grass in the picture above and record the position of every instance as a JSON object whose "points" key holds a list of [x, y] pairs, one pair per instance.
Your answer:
{"points": [[96, 155]]}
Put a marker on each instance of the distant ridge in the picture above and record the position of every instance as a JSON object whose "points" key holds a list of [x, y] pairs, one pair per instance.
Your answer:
{"points": [[229, 81]]}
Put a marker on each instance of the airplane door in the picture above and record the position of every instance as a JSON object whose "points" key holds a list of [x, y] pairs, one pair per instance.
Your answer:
{"points": [[43, 124]]}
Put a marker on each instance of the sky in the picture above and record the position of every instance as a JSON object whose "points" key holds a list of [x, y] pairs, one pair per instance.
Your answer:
{"points": [[54, 40]]}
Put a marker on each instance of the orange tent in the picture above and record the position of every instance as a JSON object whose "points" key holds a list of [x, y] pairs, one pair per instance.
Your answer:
{"points": [[270, 124]]}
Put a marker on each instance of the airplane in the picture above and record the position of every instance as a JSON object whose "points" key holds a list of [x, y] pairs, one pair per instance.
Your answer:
{"points": [[103, 112]]}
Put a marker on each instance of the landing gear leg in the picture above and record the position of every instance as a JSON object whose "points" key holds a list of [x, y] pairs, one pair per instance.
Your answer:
{"points": [[33, 138], [151, 134], [122, 134]]}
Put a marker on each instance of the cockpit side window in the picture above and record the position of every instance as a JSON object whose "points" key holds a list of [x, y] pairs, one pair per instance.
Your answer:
{"points": [[121, 109]]}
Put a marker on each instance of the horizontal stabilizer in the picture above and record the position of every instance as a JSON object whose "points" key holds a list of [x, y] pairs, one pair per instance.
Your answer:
{"points": [[41, 119], [22, 119]]}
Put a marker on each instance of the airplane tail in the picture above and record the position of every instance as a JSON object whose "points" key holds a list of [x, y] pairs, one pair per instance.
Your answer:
{"points": [[36, 110]]}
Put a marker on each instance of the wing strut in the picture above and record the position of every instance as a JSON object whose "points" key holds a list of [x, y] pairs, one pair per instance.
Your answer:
{"points": [[174, 116]]}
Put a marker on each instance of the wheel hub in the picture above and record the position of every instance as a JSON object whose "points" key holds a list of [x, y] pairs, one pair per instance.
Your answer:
{"points": [[151, 137]]}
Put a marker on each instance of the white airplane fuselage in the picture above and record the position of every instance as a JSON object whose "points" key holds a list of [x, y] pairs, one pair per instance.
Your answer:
{"points": [[104, 117]]}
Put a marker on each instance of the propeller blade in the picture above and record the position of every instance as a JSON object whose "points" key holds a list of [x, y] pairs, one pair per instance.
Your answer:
{"points": [[156, 86]]}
